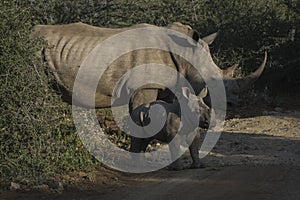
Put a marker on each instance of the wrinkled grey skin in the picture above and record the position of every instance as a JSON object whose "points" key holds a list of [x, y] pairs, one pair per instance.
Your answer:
{"points": [[140, 116], [71, 44]]}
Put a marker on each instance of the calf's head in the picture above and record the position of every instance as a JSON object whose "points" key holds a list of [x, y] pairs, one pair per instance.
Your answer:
{"points": [[196, 105]]}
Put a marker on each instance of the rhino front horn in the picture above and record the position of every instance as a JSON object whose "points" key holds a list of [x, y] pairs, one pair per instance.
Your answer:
{"points": [[246, 82]]}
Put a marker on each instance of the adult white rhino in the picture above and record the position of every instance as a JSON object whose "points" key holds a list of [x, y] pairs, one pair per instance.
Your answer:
{"points": [[71, 44]]}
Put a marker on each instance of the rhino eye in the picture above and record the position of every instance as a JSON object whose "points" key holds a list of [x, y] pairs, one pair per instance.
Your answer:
{"points": [[230, 104]]}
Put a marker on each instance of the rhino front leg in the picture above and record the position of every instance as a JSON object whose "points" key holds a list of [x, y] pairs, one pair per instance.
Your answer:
{"points": [[194, 151], [138, 145], [175, 154]]}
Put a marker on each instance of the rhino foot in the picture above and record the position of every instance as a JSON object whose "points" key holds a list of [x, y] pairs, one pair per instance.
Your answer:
{"points": [[176, 166], [197, 166]]}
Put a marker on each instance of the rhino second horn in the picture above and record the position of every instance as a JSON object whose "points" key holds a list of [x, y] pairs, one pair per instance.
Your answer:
{"points": [[229, 72], [246, 82]]}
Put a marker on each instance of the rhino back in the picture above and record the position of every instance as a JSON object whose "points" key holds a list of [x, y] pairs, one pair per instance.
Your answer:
{"points": [[69, 45]]}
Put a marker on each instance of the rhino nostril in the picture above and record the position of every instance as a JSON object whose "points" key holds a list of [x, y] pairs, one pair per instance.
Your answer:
{"points": [[205, 125]]}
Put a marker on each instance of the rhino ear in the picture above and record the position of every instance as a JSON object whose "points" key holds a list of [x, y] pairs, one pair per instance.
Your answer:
{"points": [[193, 34], [210, 38], [196, 35], [203, 93]]}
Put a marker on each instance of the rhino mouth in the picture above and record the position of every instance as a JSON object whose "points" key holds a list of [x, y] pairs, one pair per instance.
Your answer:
{"points": [[204, 125]]}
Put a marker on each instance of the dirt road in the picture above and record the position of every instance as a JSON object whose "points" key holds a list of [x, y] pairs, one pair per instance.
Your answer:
{"points": [[257, 157]]}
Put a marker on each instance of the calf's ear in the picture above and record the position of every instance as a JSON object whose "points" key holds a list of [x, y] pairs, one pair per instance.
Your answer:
{"points": [[186, 92], [203, 93]]}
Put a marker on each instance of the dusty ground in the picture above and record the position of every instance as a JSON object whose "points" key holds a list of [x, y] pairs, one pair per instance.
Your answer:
{"points": [[257, 157]]}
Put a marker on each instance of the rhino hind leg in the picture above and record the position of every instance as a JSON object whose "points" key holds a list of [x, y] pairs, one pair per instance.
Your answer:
{"points": [[144, 96]]}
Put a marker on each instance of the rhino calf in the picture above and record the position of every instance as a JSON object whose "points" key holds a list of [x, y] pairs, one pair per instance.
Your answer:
{"points": [[140, 116]]}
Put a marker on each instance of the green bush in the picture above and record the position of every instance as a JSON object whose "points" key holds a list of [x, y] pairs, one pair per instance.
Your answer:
{"points": [[247, 28], [37, 135]]}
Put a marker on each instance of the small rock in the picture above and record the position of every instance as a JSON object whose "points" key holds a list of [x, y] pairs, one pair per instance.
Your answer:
{"points": [[265, 112], [24, 182], [42, 187], [213, 169], [86, 178], [14, 186], [273, 113], [53, 185], [116, 179], [60, 187]]}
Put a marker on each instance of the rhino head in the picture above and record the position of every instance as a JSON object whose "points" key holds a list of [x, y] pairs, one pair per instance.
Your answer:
{"points": [[203, 110], [233, 86]]}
